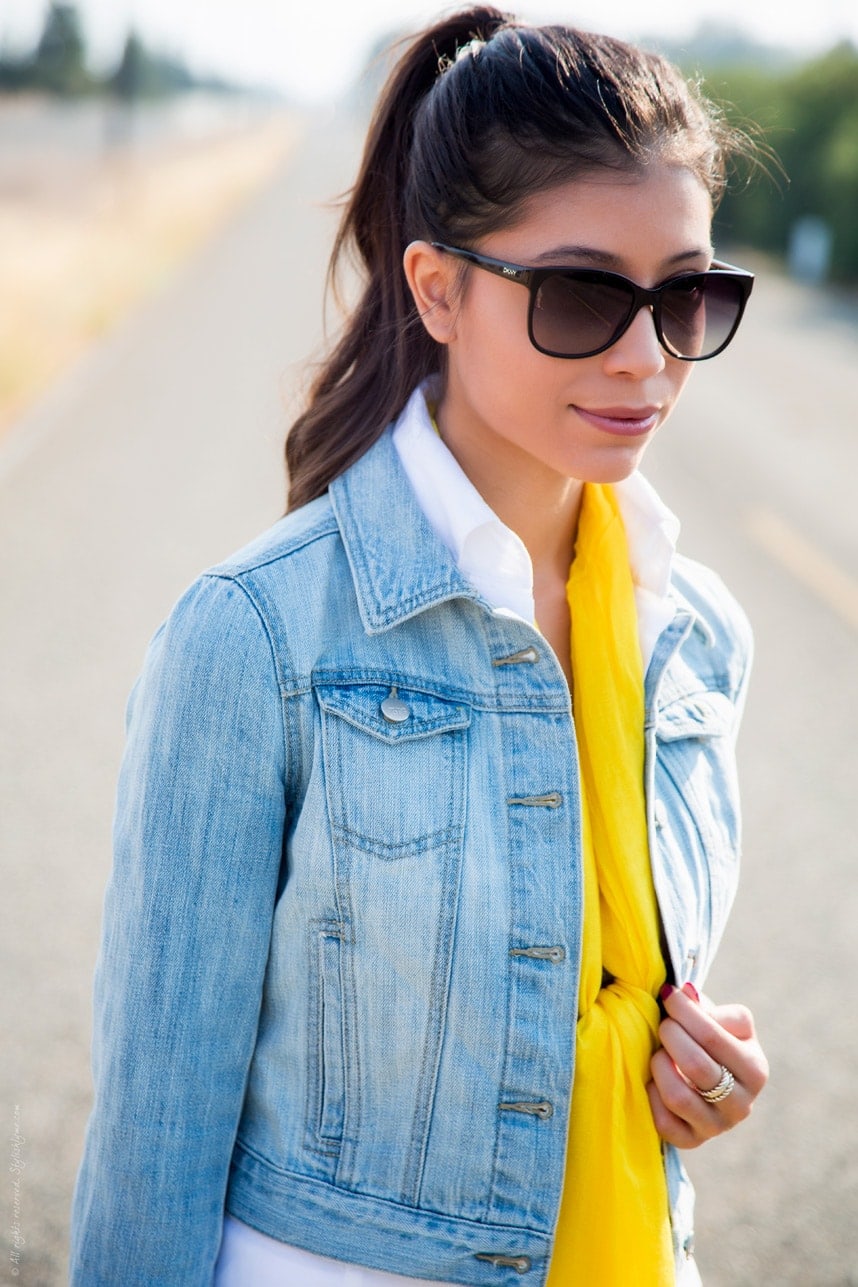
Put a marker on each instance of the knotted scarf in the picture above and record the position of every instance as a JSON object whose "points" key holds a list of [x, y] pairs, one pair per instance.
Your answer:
{"points": [[614, 1226]]}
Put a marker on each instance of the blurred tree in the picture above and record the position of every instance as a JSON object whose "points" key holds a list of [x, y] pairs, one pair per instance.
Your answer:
{"points": [[59, 63], [809, 117], [840, 191], [719, 42], [14, 68], [143, 73], [128, 82], [754, 209], [821, 152]]}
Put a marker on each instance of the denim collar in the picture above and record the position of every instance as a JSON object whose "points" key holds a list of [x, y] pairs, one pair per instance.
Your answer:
{"points": [[398, 564]]}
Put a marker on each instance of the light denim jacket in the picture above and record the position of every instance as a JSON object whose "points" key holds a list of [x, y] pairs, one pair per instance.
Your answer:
{"points": [[338, 983]]}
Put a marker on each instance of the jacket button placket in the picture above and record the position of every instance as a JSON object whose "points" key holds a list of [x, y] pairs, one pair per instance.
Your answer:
{"points": [[544, 890]]}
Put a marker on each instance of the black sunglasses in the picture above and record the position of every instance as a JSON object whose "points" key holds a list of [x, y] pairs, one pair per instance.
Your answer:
{"points": [[578, 312]]}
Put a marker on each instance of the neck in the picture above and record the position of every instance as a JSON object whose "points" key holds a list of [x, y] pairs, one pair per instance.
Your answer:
{"points": [[546, 520], [539, 505]]}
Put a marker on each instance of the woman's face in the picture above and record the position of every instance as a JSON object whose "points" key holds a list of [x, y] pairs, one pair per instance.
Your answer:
{"points": [[525, 416]]}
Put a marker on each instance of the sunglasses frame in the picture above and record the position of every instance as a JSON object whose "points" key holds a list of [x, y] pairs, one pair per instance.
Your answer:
{"points": [[642, 296]]}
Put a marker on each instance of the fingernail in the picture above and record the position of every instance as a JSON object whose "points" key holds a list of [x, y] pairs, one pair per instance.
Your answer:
{"points": [[691, 990], [667, 991]]}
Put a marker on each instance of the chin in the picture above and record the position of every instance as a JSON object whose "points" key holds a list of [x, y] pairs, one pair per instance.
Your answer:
{"points": [[614, 470]]}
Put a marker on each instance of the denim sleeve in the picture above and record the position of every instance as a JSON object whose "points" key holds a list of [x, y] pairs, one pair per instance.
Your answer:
{"points": [[746, 652], [187, 923]]}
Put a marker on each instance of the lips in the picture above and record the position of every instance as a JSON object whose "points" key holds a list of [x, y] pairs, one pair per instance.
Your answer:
{"points": [[628, 421]]}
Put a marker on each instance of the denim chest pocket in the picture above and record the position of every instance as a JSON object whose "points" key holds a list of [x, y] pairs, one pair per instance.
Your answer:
{"points": [[697, 792], [394, 767], [694, 734]]}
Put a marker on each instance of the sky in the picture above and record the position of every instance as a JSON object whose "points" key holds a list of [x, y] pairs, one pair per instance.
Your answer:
{"points": [[314, 52]]}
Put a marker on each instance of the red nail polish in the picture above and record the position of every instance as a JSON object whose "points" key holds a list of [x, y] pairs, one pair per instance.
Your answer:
{"points": [[689, 987], [667, 991]]}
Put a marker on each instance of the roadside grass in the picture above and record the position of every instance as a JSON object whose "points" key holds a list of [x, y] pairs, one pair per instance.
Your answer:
{"points": [[74, 258]]}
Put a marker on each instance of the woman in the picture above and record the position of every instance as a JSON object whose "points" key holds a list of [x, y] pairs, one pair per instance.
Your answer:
{"points": [[427, 825]]}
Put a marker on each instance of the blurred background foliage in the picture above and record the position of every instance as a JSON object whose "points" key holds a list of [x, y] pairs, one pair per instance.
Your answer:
{"points": [[808, 116], [803, 112], [59, 65]]}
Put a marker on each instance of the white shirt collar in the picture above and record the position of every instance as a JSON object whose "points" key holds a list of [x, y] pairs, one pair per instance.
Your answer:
{"points": [[487, 553], [494, 558]]}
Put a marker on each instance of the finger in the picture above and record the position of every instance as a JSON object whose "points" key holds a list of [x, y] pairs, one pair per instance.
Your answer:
{"points": [[694, 1062], [701, 1072], [670, 1128], [737, 1019], [741, 1054], [681, 1111]]}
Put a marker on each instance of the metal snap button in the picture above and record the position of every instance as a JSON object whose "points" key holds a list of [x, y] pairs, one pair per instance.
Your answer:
{"points": [[394, 710]]}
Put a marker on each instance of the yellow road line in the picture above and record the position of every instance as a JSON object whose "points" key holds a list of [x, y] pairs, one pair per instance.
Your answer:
{"points": [[806, 563]]}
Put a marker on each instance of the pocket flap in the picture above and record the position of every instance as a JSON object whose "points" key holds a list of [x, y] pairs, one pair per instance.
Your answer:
{"points": [[701, 714], [418, 714]]}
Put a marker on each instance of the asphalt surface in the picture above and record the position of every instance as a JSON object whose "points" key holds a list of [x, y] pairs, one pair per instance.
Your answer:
{"points": [[162, 452]]}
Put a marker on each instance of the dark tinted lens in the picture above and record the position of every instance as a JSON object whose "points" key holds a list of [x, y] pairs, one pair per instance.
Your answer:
{"points": [[698, 313], [573, 316]]}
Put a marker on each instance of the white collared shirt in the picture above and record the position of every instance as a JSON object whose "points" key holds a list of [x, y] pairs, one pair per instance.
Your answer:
{"points": [[494, 558]]}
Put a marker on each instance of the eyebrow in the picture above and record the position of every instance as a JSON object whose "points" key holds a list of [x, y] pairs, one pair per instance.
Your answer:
{"points": [[563, 255]]}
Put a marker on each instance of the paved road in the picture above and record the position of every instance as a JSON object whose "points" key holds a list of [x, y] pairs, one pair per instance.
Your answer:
{"points": [[163, 452], [761, 462]]}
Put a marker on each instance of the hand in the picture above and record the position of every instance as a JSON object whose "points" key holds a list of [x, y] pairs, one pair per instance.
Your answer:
{"points": [[697, 1038]]}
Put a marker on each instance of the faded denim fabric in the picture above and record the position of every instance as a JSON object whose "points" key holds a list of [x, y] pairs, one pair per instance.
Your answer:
{"points": [[337, 989]]}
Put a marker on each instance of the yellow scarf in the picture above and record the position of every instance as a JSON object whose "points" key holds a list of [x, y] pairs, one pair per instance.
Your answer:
{"points": [[614, 1227]]}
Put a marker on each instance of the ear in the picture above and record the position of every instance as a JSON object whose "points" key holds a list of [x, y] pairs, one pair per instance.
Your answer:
{"points": [[433, 279]]}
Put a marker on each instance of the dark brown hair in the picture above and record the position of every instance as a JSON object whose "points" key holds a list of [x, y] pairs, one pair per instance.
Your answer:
{"points": [[480, 113]]}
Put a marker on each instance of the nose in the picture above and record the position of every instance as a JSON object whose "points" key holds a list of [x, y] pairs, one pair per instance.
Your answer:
{"points": [[638, 351]]}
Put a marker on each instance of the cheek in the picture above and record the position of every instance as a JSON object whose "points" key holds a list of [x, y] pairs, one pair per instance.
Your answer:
{"points": [[492, 317], [492, 352], [680, 375]]}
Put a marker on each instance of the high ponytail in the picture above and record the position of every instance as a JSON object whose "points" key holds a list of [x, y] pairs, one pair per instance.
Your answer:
{"points": [[385, 350], [481, 113]]}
